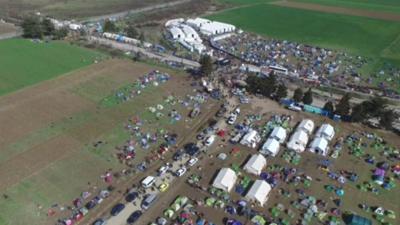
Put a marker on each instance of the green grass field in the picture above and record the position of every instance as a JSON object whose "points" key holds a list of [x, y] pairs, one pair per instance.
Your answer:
{"points": [[391, 6], [24, 63]]}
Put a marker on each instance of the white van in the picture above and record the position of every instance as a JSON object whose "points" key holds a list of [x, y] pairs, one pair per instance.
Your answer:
{"points": [[148, 181]]}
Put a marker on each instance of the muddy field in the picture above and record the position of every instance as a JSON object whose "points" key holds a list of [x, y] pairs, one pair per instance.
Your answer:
{"points": [[209, 166], [340, 10], [48, 130]]}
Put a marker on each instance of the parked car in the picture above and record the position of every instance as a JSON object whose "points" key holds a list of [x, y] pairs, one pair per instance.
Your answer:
{"points": [[131, 196], [200, 136], [100, 222], [162, 170], [232, 119], [178, 155], [134, 217], [192, 161], [148, 201], [117, 209], [181, 171], [210, 140], [91, 204], [163, 187]]}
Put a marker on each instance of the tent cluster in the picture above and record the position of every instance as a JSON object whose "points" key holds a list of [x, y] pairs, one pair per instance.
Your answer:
{"points": [[298, 141]]}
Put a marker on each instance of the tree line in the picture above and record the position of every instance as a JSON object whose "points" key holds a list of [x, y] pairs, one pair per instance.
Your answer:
{"points": [[38, 28]]}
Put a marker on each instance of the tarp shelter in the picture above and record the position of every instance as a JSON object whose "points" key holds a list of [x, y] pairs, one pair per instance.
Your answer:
{"points": [[319, 145], [270, 147], [357, 220], [251, 139], [278, 133], [298, 141], [225, 179], [326, 131], [259, 192], [255, 164], [306, 125]]}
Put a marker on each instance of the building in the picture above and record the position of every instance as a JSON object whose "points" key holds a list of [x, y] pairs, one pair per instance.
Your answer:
{"points": [[225, 179], [174, 22], [190, 34], [197, 23], [298, 141], [255, 164], [176, 33], [259, 192], [215, 28], [319, 145], [306, 125], [251, 139], [270, 147], [279, 134], [326, 131]]}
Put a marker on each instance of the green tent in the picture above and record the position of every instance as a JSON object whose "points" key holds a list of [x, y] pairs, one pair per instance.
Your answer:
{"points": [[357, 220]]}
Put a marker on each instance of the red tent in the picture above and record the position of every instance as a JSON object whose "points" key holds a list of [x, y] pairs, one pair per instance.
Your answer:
{"points": [[221, 133]]}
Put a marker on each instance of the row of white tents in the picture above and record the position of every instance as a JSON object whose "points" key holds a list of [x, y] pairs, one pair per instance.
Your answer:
{"points": [[299, 140], [271, 146], [258, 192], [185, 32]]}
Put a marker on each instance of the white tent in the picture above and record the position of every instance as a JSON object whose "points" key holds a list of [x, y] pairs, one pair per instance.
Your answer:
{"points": [[259, 192], [255, 164], [298, 141], [307, 125], [319, 145], [225, 179], [278, 133], [215, 28], [270, 147], [251, 139], [326, 131]]}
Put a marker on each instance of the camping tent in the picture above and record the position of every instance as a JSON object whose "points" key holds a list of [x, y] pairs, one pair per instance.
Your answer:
{"points": [[298, 141], [326, 131], [319, 145], [270, 147], [357, 220], [255, 164], [306, 125], [259, 192], [251, 139], [225, 179], [278, 133]]}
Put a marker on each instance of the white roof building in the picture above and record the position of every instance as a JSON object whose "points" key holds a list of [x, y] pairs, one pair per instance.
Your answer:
{"points": [[298, 141], [251, 139], [259, 192], [278, 133], [326, 131], [215, 28], [225, 179], [319, 145], [190, 34], [177, 33], [307, 125], [174, 22], [270, 147], [197, 22], [255, 164]]}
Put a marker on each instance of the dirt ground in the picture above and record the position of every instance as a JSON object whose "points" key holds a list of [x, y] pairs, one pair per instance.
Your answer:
{"points": [[340, 10], [209, 166], [6, 28]]}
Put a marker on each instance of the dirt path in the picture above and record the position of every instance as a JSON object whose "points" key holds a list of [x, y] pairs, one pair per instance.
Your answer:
{"points": [[340, 10]]}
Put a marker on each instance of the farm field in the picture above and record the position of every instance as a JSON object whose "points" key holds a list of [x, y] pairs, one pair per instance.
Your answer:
{"points": [[391, 6], [25, 63], [48, 130], [72, 8]]}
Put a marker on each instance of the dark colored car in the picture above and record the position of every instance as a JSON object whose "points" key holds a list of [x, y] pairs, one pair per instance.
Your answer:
{"points": [[131, 196], [178, 155], [117, 209], [91, 204], [134, 217], [99, 222]]}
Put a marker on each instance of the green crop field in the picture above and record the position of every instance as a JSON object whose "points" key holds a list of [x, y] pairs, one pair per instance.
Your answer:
{"points": [[25, 63], [392, 6]]}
